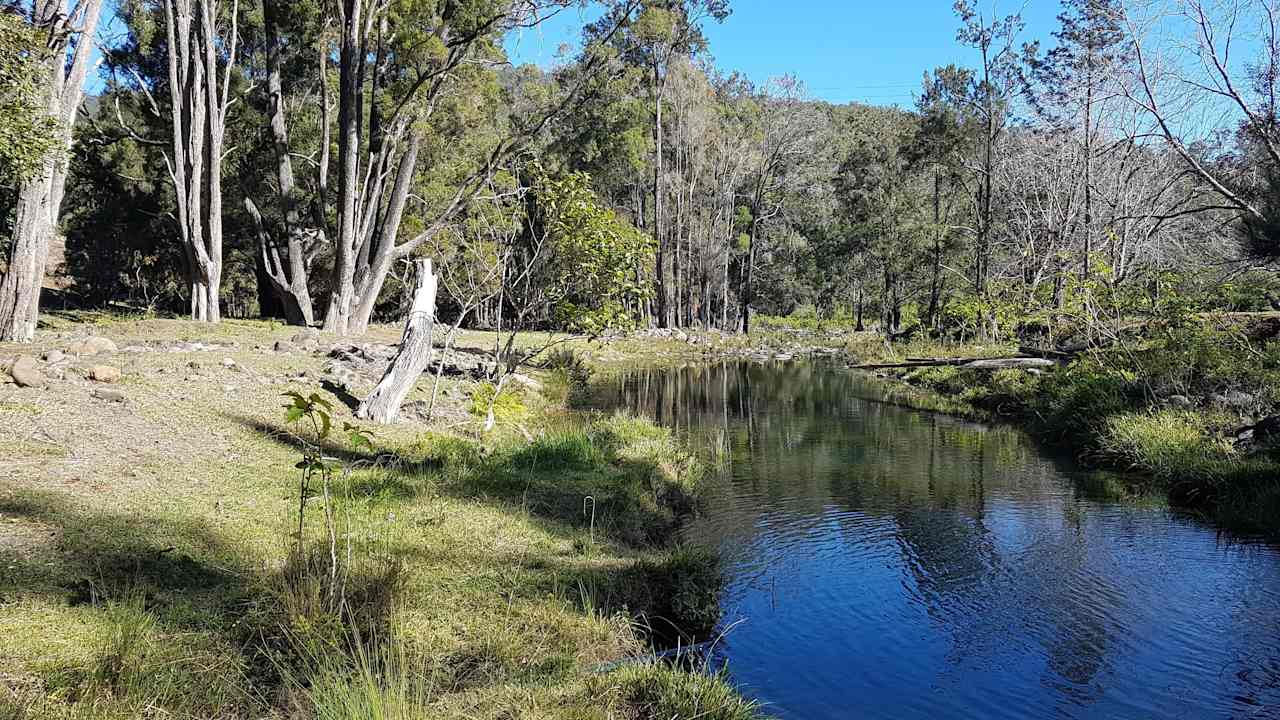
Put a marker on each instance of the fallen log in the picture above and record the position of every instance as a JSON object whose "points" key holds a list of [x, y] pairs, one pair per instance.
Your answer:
{"points": [[998, 363]]}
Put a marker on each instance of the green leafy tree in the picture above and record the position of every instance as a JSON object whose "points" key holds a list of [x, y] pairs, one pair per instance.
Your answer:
{"points": [[27, 133], [593, 256]]}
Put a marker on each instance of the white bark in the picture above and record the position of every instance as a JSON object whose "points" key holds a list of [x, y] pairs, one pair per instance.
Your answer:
{"points": [[383, 404], [40, 197], [199, 100]]}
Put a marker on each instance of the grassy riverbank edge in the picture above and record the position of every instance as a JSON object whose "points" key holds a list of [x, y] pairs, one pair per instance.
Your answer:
{"points": [[1104, 414], [147, 570]]}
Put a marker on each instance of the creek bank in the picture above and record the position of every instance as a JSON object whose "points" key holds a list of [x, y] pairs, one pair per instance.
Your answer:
{"points": [[167, 485], [1213, 453]]}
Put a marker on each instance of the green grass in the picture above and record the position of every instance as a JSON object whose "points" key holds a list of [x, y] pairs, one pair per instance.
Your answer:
{"points": [[657, 691], [150, 571], [1108, 406]]}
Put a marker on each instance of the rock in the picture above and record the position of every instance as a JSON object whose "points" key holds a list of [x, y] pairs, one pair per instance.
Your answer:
{"points": [[228, 388], [228, 363], [1233, 399], [104, 374], [110, 395], [54, 356], [26, 372], [526, 381], [284, 346], [94, 345], [308, 338], [135, 349], [1181, 402]]}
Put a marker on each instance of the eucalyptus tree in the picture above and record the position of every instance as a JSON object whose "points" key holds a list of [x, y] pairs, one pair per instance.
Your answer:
{"points": [[68, 29], [399, 64], [293, 238], [1077, 81], [994, 86], [202, 40], [661, 31]]}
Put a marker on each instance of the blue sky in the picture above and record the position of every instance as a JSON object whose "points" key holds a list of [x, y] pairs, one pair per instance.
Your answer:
{"points": [[843, 50]]}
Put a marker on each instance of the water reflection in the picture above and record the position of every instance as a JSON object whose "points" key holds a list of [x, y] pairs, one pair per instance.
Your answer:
{"points": [[889, 563]]}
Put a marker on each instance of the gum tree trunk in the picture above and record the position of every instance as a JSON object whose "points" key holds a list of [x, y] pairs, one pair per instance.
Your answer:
{"points": [[40, 197], [383, 404], [199, 100]]}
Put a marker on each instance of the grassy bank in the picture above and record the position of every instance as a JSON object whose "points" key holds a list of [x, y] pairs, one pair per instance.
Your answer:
{"points": [[1167, 404], [150, 564]]}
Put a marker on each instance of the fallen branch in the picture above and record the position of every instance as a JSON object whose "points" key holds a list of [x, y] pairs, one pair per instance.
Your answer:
{"points": [[998, 363]]}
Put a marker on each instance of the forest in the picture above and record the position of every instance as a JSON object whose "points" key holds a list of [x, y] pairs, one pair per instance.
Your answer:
{"points": [[290, 159]]}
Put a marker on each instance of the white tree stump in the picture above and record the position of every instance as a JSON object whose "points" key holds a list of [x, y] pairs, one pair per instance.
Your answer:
{"points": [[383, 404]]}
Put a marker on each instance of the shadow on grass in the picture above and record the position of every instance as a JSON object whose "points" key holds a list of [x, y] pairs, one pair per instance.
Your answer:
{"points": [[98, 553]]}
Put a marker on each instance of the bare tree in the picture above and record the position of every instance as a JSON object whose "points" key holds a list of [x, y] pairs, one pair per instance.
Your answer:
{"points": [[70, 31], [201, 60], [1193, 89]]}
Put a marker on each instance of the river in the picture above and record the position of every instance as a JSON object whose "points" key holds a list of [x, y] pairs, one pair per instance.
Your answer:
{"points": [[888, 563]]}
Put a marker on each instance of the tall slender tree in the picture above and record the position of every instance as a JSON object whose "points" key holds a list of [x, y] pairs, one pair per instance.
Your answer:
{"points": [[1075, 80], [69, 30], [203, 37]]}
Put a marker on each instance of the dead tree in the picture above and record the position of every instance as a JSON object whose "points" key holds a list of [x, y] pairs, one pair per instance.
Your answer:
{"points": [[199, 99], [40, 196], [383, 404]]}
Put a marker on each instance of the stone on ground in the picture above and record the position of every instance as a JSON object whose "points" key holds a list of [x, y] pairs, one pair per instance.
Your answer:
{"points": [[104, 374], [26, 372]]}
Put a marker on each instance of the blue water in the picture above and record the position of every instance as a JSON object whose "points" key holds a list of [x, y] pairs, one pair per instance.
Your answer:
{"points": [[887, 563]]}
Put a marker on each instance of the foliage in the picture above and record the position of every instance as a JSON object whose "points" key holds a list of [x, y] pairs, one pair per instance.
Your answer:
{"points": [[598, 260], [28, 134]]}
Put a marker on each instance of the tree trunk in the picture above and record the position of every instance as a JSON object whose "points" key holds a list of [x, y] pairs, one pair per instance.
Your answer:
{"points": [[20, 289], [199, 101], [350, 108], [660, 287], [288, 275], [40, 197], [383, 404], [748, 288]]}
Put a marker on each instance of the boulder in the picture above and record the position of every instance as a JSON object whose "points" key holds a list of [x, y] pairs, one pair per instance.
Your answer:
{"points": [[308, 338], [284, 346], [94, 345], [54, 356], [104, 374], [1233, 399], [26, 372], [110, 395]]}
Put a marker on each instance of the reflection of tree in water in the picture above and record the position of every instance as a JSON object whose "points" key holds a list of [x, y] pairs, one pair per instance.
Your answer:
{"points": [[993, 547]]}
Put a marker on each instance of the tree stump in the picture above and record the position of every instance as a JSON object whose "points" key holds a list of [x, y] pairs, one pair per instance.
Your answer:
{"points": [[383, 404]]}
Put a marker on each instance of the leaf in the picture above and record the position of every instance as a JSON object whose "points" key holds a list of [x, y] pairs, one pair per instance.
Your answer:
{"points": [[325, 423]]}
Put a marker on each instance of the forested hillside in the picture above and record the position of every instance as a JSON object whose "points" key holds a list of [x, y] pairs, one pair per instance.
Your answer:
{"points": [[289, 159]]}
